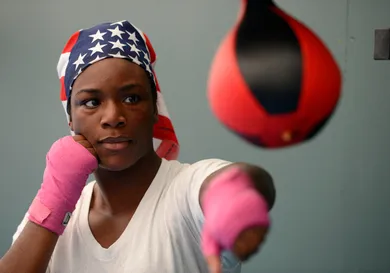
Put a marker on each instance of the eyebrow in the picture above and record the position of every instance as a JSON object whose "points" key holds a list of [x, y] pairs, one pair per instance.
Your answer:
{"points": [[91, 91], [95, 91], [130, 86]]}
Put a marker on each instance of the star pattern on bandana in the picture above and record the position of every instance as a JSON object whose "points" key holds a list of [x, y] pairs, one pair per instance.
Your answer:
{"points": [[117, 40]]}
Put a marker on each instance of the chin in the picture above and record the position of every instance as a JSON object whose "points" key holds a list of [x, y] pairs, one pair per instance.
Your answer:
{"points": [[116, 164]]}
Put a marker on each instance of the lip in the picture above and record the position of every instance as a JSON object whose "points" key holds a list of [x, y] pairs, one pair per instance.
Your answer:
{"points": [[116, 139], [116, 143]]}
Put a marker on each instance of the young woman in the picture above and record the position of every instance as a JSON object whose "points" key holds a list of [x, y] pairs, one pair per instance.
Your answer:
{"points": [[144, 213]]}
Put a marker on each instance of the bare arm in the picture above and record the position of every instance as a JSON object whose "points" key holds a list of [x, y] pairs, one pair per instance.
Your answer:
{"points": [[31, 252]]}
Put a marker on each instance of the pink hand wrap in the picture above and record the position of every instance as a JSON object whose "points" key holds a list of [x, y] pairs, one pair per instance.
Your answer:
{"points": [[68, 165], [231, 205]]}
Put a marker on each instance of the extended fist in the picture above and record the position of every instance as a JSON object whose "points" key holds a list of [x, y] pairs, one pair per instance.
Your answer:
{"points": [[236, 217]]}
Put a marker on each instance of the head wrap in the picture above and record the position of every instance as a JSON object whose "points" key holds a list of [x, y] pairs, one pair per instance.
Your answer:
{"points": [[116, 40]]}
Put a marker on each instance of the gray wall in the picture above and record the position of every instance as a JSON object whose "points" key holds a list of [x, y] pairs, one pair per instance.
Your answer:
{"points": [[333, 207]]}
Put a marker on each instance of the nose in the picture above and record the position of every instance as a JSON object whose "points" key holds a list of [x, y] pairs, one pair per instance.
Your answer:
{"points": [[113, 116]]}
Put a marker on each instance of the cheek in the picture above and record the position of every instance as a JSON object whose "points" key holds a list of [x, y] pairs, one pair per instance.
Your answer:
{"points": [[143, 114], [81, 128], [138, 117], [85, 126], [142, 123]]}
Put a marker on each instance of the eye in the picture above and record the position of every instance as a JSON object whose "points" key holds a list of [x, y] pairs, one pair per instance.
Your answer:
{"points": [[132, 99], [91, 103]]}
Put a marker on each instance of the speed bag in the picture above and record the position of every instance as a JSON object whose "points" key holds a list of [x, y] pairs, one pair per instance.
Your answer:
{"points": [[272, 81]]}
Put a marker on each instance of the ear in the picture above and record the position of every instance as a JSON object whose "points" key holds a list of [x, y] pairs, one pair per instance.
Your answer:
{"points": [[71, 125]]}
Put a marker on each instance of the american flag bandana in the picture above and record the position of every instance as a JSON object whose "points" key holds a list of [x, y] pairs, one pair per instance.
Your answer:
{"points": [[116, 40]]}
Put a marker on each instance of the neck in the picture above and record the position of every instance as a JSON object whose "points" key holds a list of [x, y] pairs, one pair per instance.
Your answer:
{"points": [[121, 191]]}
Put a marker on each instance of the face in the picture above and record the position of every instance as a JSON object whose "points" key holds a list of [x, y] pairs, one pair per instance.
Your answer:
{"points": [[113, 108]]}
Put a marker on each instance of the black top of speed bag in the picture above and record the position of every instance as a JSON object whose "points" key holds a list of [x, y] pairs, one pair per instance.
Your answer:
{"points": [[269, 57]]}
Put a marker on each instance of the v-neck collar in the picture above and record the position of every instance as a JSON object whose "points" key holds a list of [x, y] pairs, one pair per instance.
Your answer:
{"points": [[91, 244]]}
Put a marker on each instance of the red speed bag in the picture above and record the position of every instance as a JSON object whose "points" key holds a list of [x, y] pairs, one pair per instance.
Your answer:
{"points": [[272, 81]]}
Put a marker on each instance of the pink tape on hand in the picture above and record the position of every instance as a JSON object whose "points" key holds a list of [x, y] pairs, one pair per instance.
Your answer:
{"points": [[231, 205], [68, 165]]}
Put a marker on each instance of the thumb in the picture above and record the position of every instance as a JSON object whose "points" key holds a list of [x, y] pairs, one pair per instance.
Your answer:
{"points": [[211, 251]]}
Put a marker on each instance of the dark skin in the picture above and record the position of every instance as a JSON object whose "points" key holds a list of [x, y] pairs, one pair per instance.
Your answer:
{"points": [[114, 97]]}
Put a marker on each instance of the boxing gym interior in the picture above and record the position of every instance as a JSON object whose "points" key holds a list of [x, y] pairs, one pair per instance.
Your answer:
{"points": [[298, 87]]}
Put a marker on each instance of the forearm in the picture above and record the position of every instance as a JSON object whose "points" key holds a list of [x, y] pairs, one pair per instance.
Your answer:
{"points": [[31, 252]]}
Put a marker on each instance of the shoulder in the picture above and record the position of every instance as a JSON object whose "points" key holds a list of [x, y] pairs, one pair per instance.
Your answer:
{"points": [[184, 181], [210, 163], [196, 170]]}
